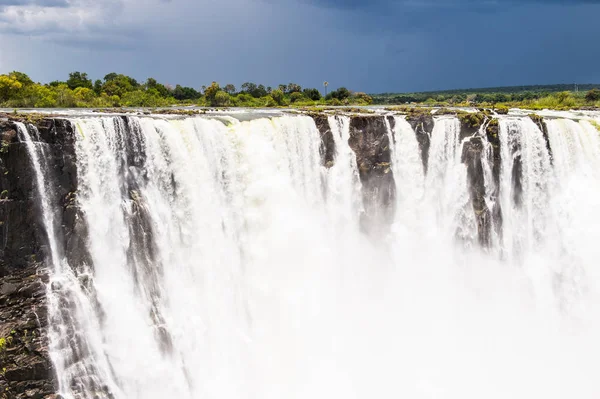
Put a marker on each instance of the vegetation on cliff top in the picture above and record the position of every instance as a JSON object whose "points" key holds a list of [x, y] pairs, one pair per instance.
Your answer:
{"points": [[530, 97], [17, 90]]}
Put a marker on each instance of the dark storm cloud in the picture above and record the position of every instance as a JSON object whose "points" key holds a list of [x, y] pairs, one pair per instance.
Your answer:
{"points": [[372, 46], [385, 5]]}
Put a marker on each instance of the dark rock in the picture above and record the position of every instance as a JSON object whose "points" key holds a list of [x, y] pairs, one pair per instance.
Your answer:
{"points": [[7, 289], [23, 245], [327, 148], [370, 142], [541, 124], [422, 123]]}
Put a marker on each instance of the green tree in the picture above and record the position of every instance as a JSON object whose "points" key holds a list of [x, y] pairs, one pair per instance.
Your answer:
{"points": [[222, 99], [98, 86], [9, 87], [278, 96], [185, 93], [296, 96], [65, 96], [363, 98], [312, 94], [79, 79], [110, 76], [22, 78], [117, 86], [592, 95], [293, 88], [151, 83], [229, 89], [84, 96], [211, 92]]}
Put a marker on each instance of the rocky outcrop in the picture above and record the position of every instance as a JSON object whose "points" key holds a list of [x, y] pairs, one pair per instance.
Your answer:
{"points": [[370, 142], [541, 124], [422, 123], [25, 367], [327, 148]]}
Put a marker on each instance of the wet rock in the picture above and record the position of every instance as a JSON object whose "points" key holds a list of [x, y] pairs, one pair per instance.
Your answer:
{"points": [[370, 142], [27, 370], [422, 123], [327, 148]]}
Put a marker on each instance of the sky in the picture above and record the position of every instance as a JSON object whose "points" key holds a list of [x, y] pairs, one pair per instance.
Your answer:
{"points": [[371, 46]]}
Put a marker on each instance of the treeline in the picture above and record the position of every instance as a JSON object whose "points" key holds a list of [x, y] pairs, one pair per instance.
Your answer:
{"points": [[516, 95], [17, 90]]}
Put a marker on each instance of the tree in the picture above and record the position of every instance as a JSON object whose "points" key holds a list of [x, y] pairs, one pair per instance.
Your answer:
{"points": [[221, 99], [248, 87], [152, 84], [21, 78], [117, 86], [9, 87], [98, 86], [185, 93], [211, 92], [79, 79], [312, 94], [85, 96], [254, 90], [65, 97], [293, 88], [592, 95], [110, 76], [363, 98], [296, 96], [278, 96], [340, 94], [229, 89]]}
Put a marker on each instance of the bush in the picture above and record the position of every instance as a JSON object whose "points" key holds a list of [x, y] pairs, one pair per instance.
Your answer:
{"points": [[222, 99], [592, 95], [296, 96], [277, 95]]}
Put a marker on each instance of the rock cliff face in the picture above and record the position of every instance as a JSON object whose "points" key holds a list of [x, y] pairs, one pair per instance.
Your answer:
{"points": [[25, 367]]}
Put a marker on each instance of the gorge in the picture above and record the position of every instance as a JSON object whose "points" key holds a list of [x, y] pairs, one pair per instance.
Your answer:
{"points": [[266, 254]]}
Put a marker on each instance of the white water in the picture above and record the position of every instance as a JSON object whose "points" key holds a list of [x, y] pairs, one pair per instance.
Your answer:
{"points": [[226, 262]]}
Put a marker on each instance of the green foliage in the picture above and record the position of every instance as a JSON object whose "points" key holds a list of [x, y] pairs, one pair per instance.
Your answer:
{"points": [[229, 89], [269, 102], [293, 88], [9, 87], [185, 93], [362, 98], [211, 92], [312, 94], [296, 96], [592, 95], [117, 90], [501, 109], [278, 96], [222, 99], [340, 94], [79, 79], [472, 120]]}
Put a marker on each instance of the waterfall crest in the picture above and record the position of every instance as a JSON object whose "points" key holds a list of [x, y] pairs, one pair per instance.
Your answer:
{"points": [[227, 260]]}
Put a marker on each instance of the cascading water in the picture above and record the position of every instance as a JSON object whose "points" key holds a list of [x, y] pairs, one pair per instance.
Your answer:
{"points": [[224, 261]]}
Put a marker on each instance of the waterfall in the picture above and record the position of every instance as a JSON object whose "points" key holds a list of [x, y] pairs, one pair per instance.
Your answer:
{"points": [[223, 259]]}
